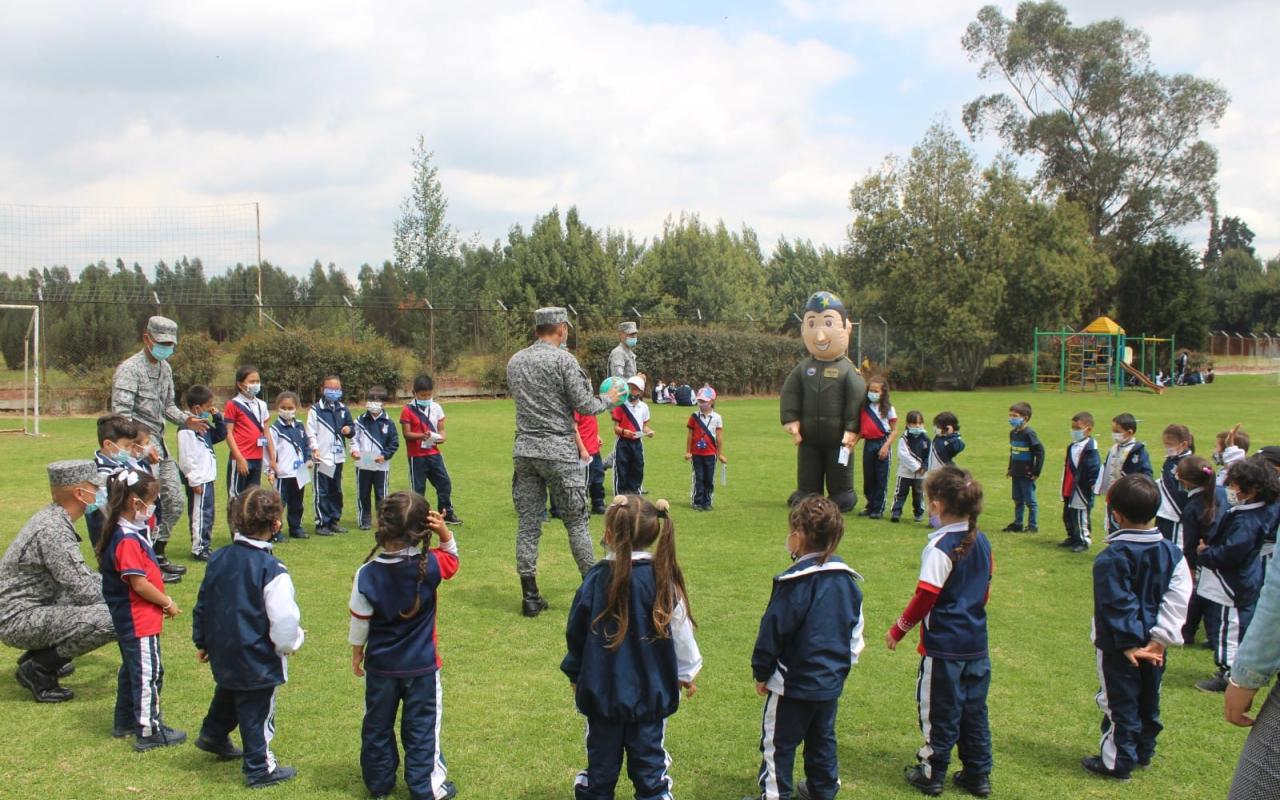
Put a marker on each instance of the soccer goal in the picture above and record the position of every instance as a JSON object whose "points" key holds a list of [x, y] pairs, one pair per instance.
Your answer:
{"points": [[28, 394]]}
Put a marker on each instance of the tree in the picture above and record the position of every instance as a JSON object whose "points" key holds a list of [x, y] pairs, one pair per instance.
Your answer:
{"points": [[795, 271], [422, 237], [1113, 134], [1231, 234], [1233, 279], [1161, 292]]}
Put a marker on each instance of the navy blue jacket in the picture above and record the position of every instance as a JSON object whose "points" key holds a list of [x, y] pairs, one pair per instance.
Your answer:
{"points": [[1141, 585], [1080, 478], [956, 628], [381, 430], [945, 448], [1273, 524], [1138, 462], [638, 682], [230, 620], [1230, 566], [918, 444], [1026, 453], [1194, 529], [296, 434], [387, 587], [1171, 491], [811, 631]]}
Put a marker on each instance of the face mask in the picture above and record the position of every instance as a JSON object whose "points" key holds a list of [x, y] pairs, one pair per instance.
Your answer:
{"points": [[1077, 436], [161, 352], [252, 389], [631, 341], [934, 521], [147, 512], [1015, 422], [564, 345], [99, 500], [206, 415], [423, 404], [333, 395], [915, 431], [120, 457], [1172, 451], [1233, 497], [288, 415], [374, 407], [1118, 438], [873, 397]]}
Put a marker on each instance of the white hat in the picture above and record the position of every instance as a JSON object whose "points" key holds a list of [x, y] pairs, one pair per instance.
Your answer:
{"points": [[636, 381]]}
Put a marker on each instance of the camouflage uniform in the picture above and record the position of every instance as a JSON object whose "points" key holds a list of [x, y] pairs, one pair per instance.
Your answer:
{"points": [[143, 391], [49, 598], [622, 362], [548, 385]]}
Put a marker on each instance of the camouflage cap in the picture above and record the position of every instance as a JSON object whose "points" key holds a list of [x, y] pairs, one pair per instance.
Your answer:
{"points": [[73, 473], [627, 327], [551, 315], [162, 330]]}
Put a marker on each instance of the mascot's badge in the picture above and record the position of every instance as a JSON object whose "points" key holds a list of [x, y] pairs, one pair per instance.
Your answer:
{"points": [[811, 371], [831, 372]]}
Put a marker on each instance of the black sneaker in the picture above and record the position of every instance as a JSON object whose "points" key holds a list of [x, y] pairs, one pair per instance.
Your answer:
{"points": [[225, 750], [1215, 685], [917, 519], [324, 530], [802, 790], [864, 513], [278, 539], [119, 732], [598, 509], [336, 528], [202, 555], [42, 684], [1012, 527], [895, 519], [169, 577], [976, 785], [364, 526], [875, 515], [930, 786], [1079, 547], [168, 567], [1094, 764], [1067, 542], [300, 535], [451, 517], [278, 775], [1033, 529], [163, 736]]}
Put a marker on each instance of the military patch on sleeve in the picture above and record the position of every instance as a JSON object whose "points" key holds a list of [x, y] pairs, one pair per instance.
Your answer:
{"points": [[831, 372]]}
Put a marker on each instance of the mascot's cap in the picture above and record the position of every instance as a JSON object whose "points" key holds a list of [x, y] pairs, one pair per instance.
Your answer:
{"points": [[825, 301]]}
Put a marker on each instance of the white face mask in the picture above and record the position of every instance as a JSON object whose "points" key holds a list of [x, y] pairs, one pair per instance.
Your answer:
{"points": [[1118, 438], [147, 513], [1233, 497], [374, 407], [288, 414], [1172, 451]]}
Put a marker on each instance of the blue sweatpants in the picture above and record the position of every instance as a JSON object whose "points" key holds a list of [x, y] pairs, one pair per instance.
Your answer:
{"points": [[1077, 523], [254, 713], [291, 497], [875, 475], [138, 685], [371, 486], [787, 723], [200, 513], [647, 760], [914, 486], [1129, 698], [424, 767], [704, 481], [326, 497], [1232, 622], [431, 468], [952, 701], [1024, 500], [237, 483], [628, 466]]}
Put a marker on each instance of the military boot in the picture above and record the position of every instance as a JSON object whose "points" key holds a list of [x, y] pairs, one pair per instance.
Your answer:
{"points": [[533, 603]]}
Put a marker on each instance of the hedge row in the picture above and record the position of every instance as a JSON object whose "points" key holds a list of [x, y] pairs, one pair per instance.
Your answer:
{"points": [[299, 360]]}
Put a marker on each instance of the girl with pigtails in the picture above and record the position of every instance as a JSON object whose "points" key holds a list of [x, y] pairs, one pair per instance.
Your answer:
{"points": [[631, 649], [393, 647], [955, 668]]}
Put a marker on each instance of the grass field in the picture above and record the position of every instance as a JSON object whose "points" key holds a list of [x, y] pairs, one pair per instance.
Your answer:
{"points": [[510, 728]]}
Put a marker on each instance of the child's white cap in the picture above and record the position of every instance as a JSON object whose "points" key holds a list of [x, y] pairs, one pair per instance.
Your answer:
{"points": [[636, 381]]}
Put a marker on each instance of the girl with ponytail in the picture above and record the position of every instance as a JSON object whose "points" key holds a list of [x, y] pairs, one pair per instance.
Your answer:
{"points": [[1205, 507], [955, 668], [631, 649], [393, 645]]}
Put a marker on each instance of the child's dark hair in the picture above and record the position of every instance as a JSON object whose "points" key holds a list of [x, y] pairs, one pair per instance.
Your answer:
{"points": [[821, 524], [1127, 422], [1198, 474], [960, 496], [236, 505], [332, 376], [376, 394], [287, 395], [1255, 477], [945, 420], [1241, 439], [634, 523], [113, 427], [423, 383], [121, 488], [884, 405], [1022, 409], [1180, 433], [1084, 418], [915, 417], [259, 513], [245, 371], [1135, 497], [198, 394], [403, 518]]}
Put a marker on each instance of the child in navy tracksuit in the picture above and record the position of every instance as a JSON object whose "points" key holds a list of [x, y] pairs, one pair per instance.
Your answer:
{"points": [[631, 426], [947, 443], [133, 589], [199, 468], [1229, 559], [630, 650], [329, 424], [295, 453], [1178, 444], [422, 422], [877, 428], [703, 447], [117, 443], [913, 463], [375, 442], [1079, 473], [1205, 508], [1026, 460], [393, 639], [1140, 589], [810, 636], [245, 625], [955, 668], [1127, 456]]}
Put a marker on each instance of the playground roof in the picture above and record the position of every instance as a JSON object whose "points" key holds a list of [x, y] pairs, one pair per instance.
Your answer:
{"points": [[1104, 325]]}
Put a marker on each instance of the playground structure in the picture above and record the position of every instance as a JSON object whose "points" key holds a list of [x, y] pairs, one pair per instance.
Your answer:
{"points": [[1101, 358]]}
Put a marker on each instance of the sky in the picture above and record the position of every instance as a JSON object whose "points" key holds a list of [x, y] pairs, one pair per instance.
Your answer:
{"points": [[758, 113]]}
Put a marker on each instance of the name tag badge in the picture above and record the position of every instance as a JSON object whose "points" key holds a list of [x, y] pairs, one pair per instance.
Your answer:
{"points": [[297, 464], [831, 372], [262, 441]]}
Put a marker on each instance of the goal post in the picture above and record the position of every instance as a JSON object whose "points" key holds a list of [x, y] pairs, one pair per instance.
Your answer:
{"points": [[30, 371]]}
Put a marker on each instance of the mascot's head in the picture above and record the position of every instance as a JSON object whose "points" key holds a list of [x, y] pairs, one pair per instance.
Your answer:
{"points": [[826, 327]]}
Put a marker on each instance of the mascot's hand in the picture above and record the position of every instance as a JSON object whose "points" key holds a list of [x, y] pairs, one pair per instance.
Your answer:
{"points": [[793, 428]]}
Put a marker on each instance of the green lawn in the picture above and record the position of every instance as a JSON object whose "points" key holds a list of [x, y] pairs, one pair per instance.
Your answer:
{"points": [[510, 728]]}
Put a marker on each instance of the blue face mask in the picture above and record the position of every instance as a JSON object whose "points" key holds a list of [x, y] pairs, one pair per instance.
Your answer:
{"points": [[1015, 422], [1077, 436], [99, 501], [934, 521], [333, 395], [423, 404], [631, 341], [252, 389], [873, 397], [161, 352], [915, 431], [120, 457]]}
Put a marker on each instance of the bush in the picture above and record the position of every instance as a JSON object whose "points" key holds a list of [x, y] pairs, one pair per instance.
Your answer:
{"points": [[194, 361], [1012, 371], [298, 360], [912, 377]]}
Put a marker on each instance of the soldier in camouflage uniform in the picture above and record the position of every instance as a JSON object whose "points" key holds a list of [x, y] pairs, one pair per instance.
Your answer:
{"points": [[51, 603], [548, 385], [143, 392], [622, 359]]}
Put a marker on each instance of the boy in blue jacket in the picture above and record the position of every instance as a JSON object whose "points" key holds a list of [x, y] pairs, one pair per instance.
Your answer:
{"points": [[1026, 460], [947, 443], [373, 445], [1141, 586], [1079, 474], [810, 636]]}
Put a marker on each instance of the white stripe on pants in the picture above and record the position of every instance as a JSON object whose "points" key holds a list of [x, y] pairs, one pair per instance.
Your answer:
{"points": [[439, 774], [924, 690], [1108, 745], [148, 690], [1228, 637], [767, 749]]}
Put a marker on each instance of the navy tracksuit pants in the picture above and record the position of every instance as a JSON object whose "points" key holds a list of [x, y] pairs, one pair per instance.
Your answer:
{"points": [[647, 760], [1231, 623], [424, 767], [291, 498], [628, 466], [253, 711], [1076, 521], [138, 685], [1171, 530], [371, 485], [704, 481], [200, 513], [431, 468], [952, 700], [913, 486], [1024, 500], [1129, 698], [787, 723], [875, 475], [237, 483], [326, 497]]}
